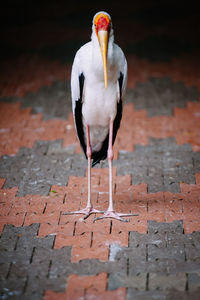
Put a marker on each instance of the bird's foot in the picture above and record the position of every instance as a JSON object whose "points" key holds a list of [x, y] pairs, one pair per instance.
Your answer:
{"points": [[87, 211], [114, 215]]}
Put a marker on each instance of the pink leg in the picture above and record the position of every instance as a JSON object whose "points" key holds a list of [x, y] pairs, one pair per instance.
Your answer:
{"points": [[110, 213], [88, 210]]}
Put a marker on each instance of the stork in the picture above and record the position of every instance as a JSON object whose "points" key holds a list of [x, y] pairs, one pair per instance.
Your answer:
{"points": [[98, 82]]}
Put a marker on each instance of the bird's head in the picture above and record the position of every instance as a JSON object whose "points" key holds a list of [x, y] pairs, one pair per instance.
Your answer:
{"points": [[102, 24]]}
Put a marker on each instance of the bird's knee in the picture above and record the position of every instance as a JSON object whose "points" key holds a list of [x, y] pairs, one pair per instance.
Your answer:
{"points": [[110, 154], [89, 152]]}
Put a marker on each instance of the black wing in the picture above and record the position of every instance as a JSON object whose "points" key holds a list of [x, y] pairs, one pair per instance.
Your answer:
{"points": [[78, 115], [102, 153]]}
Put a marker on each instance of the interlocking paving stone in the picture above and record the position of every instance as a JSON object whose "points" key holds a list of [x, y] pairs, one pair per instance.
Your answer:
{"points": [[38, 72], [34, 261], [160, 295], [35, 170], [52, 101], [159, 96], [135, 128], [30, 265], [158, 261], [162, 165]]}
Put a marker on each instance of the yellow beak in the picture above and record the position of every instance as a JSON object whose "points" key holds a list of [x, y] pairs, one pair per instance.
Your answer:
{"points": [[103, 41]]}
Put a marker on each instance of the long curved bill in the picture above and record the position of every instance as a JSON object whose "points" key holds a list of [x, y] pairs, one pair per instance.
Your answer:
{"points": [[103, 41]]}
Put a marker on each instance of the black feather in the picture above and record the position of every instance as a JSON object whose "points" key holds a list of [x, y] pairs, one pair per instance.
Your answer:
{"points": [[102, 153], [78, 115]]}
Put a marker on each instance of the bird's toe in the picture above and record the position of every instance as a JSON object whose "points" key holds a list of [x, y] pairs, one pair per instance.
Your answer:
{"points": [[116, 216]]}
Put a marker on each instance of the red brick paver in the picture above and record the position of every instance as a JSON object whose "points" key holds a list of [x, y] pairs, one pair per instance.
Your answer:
{"points": [[88, 288], [92, 239], [19, 128], [137, 127], [179, 69], [38, 72], [31, 72]]}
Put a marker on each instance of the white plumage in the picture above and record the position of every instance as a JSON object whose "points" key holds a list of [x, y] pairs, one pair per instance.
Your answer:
{"points": [[99, 104], [98, 82]]}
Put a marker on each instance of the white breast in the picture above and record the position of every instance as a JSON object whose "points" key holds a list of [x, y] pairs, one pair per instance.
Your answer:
{"points": [[99, 104]]}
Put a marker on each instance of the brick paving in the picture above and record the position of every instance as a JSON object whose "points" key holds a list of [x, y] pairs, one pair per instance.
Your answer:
{"points": [[46, 254], [59, 90], [165, 252], [159, 96]]}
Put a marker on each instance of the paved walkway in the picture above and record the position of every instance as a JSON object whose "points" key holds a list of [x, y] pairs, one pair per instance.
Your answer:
{"points": [[47, 255]]}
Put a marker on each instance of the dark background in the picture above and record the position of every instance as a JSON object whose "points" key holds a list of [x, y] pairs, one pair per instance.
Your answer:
{"points": [[155, 30]]}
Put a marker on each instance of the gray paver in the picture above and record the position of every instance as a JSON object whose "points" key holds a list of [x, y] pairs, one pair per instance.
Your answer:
{"points": [[52, 101], [159, 96], [156, 165], [35, 170], [32, 266], [148, 295], [194, 281], [160, 282]]}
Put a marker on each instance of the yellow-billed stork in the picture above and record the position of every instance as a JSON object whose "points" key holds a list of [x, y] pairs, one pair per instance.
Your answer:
{"points": [[98, 82]]}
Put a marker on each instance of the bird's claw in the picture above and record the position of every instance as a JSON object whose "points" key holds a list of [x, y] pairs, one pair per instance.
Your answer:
{"points": [[115, 215], [87, 211]]}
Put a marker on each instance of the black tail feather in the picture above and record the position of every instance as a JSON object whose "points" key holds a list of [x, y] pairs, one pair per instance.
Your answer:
{"points": [[101, 154]]}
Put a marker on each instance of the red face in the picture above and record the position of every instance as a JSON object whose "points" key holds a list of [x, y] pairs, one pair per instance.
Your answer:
{"points": [[102, 22], [102, 27]]}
